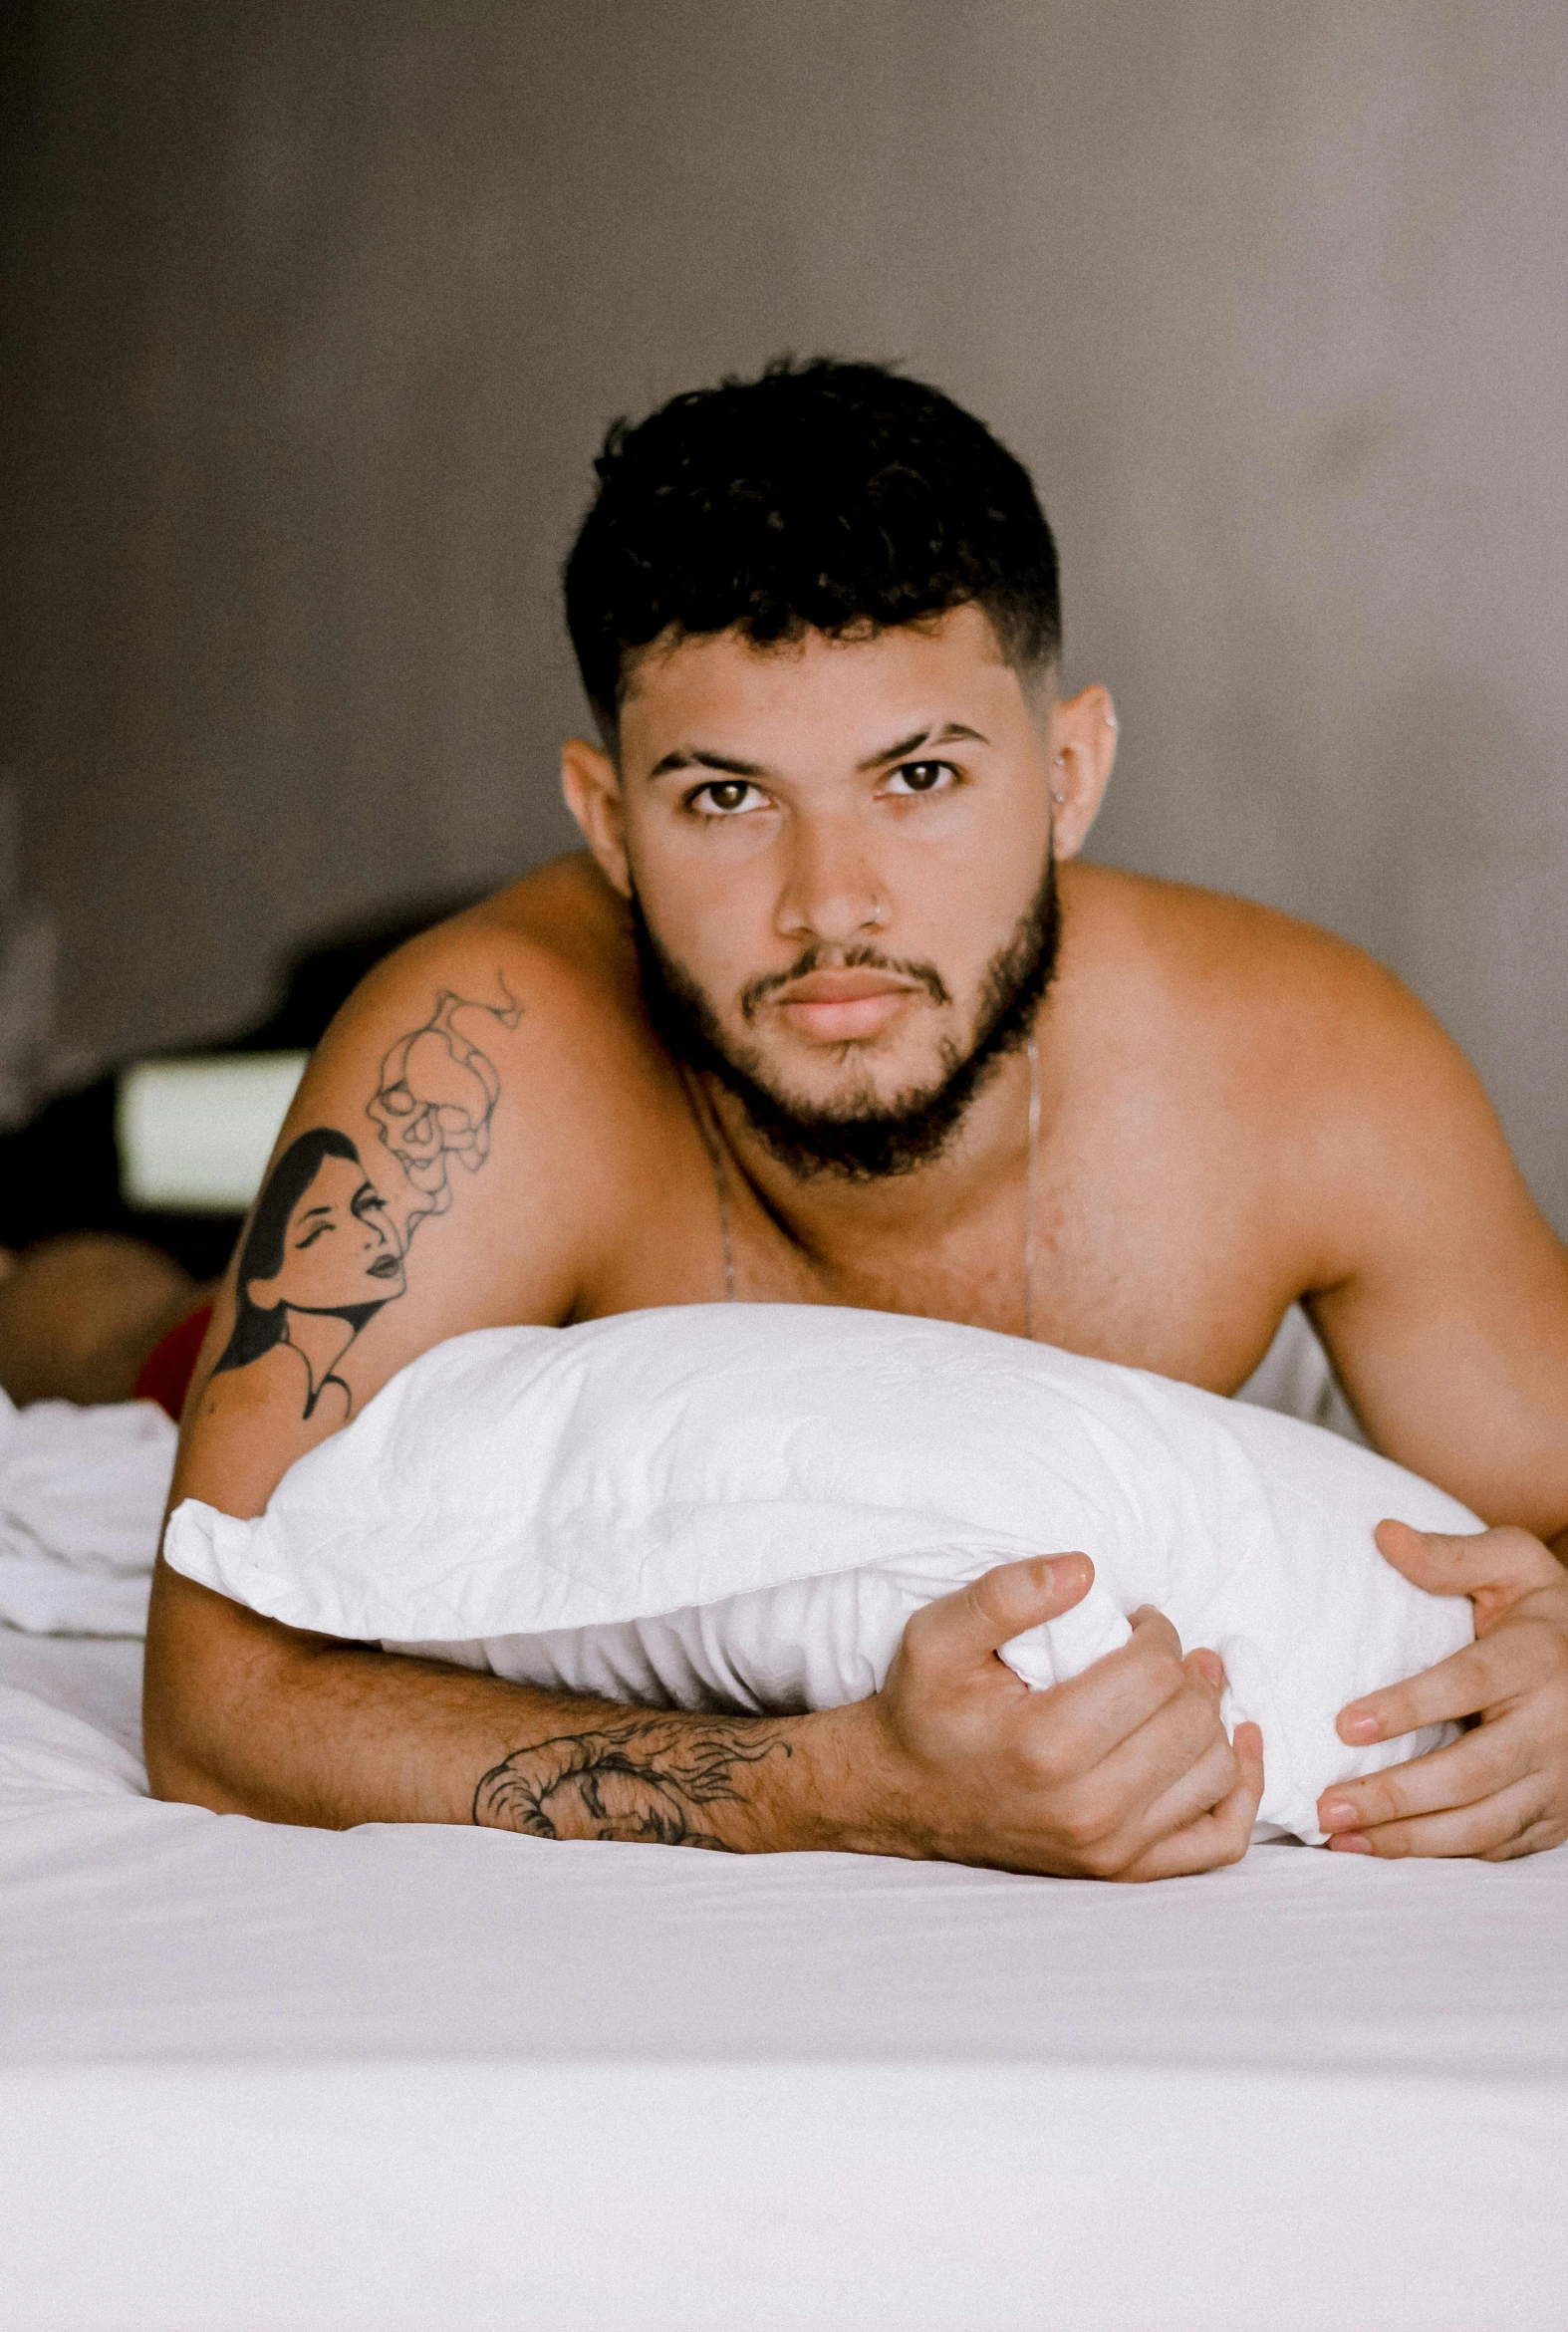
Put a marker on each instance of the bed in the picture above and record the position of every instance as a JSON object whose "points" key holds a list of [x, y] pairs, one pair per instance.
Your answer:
{"points": [[411, 2078], [415, 2077]]}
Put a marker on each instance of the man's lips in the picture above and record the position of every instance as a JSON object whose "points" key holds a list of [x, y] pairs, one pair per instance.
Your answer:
{"points": [[838, 1007]]}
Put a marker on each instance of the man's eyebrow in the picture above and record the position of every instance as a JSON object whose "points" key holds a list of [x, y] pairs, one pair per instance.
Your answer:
{"points": [[692, 757], [949, 733]]}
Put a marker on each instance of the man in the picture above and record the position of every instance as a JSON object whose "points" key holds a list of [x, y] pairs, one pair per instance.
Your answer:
{"points": [[832, 1013]]}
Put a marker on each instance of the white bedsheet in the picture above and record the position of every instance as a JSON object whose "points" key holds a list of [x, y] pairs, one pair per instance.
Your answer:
{"points": [[82, 1497], [411, 2078]]}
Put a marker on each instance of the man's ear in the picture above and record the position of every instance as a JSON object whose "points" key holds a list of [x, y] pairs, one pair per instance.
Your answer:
{"points": [[1082, 745], [591, 786]]}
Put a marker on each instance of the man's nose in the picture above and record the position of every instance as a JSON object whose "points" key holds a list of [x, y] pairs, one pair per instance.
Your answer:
{"points": [[831, 892]]}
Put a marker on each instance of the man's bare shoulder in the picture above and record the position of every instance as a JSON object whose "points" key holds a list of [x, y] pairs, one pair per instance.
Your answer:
{"points": [[1286, 1067], [541, 982], [1283, 1001], [560, 934], [551, 959]]}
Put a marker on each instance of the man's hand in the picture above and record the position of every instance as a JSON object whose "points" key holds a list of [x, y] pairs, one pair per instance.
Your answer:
{"points": [[1124, 1772], [1501, 1790]]}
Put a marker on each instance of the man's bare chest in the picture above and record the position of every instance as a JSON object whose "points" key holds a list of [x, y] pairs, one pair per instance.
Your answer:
{"points": [[1158, 1268]]}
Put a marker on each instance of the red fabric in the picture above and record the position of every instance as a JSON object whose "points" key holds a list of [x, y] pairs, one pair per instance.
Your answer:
{"points": [[165, 1374]]}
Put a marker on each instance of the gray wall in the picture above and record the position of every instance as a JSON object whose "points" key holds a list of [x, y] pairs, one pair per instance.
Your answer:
{"points": [[321, 308]]}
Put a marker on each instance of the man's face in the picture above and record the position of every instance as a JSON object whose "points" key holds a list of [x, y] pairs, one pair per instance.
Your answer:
{"points": [[834, 845]]}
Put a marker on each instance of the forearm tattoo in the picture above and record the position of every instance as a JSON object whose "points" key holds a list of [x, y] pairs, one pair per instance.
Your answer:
{"points": [[648, 1778], [328, 1245]]}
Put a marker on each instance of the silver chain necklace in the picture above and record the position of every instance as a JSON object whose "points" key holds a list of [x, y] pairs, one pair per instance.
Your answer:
{"points": [[701, 1110]]}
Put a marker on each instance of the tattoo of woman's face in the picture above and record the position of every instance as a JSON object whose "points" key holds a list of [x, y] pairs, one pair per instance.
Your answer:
{"points": [[327, 1247], [340, 1249]]}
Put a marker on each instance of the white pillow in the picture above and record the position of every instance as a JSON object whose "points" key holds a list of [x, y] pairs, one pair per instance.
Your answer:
{"points": [[739, 1507]]}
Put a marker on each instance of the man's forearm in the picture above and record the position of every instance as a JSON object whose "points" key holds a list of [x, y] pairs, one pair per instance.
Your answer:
{"points": [[248, 1717], [953, 1758], [638, 1774]]}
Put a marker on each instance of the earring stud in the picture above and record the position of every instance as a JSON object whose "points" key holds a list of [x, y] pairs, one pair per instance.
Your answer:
{"points": [[1058, 797]]}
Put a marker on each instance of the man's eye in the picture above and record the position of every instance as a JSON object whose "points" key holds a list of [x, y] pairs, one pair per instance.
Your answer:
{"points": [[922, 777], [723, 797]]}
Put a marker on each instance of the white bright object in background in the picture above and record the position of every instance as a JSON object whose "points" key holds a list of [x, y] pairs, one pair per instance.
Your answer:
{"points": [[197, 1133]]}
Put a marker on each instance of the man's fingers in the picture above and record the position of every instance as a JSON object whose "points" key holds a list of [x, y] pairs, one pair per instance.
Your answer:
{"points": [[1514, 1821], [1208, 1664], [1488, 1759], [1479, 1676], [1507, 1562], [1248, 1746], [1176, 1765], [967, 1628], [1161, 1755], [1207, 1783], [1227, 1766], [1104, 1707], [1503, 1789], [1220, 1834]]}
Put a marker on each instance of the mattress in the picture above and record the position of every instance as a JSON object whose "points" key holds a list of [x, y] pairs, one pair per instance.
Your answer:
{"points": [[407, 2078]]}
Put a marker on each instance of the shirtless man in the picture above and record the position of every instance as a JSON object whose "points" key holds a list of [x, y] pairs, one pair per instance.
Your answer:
{"points": [[814, 1020]]}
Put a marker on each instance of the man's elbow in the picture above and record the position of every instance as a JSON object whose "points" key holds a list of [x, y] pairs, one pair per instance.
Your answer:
{"points": [[213, 1693], [179, 1780], [183, 1744]]}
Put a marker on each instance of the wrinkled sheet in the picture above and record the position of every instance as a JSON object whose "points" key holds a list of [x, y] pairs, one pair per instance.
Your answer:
{"points": [[81, 1496], [410, 2077]]}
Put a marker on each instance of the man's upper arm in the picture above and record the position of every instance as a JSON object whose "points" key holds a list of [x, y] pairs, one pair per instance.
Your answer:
{"points": [[1449, 1324], [416, 1191]]}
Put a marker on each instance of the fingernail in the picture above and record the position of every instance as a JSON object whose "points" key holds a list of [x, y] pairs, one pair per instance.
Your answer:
{"points": [[1347, 1842], [1212, 1667], [1354, 1727], [1338, 1814]]}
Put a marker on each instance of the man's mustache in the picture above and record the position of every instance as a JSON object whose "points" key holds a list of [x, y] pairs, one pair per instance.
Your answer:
{"points": [[819, 958]]}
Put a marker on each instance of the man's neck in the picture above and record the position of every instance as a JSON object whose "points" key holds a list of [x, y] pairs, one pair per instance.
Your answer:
{"points": [[839, 1222]]}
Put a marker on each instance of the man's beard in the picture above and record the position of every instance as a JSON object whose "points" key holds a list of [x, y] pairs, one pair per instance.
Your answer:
{"points": [[859, 1139]]}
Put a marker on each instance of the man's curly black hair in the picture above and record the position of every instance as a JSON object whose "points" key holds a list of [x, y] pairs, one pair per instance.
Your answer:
{"points": [[822, 496]]}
